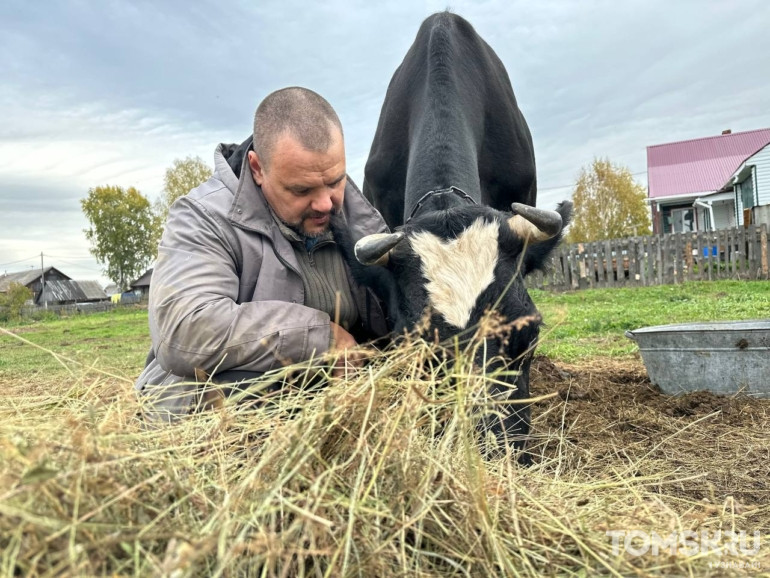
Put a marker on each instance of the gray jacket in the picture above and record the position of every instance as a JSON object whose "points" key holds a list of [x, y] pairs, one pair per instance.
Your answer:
{"points": [[226, 293]]}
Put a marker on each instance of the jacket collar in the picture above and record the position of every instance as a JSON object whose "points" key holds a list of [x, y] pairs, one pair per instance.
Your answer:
{"points": [[249, 209]]}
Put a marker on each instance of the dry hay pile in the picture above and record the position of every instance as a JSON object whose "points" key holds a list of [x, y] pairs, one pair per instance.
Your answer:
{"points": [[378, 475]]}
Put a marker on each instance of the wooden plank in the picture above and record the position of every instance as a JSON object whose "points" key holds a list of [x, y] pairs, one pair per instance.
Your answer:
{"points": [[688, 257], [588, 271], [600, 257], [674, 252], [742, 264], [763, 251], [659, 259], [572, 264], [594, 263], [699, 255], [750, 252], [631, 259], [717, 258], [667, 266], [709, 260], [564, 269], [730, 256], [622, 258], [652, 254]]}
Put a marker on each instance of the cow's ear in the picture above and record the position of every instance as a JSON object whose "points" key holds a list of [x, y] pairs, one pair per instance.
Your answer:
{"points": [[534, 225], [375, 249]]}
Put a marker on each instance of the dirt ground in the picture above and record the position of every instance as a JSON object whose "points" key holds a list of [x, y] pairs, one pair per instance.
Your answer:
{"points": [[611, 415]]}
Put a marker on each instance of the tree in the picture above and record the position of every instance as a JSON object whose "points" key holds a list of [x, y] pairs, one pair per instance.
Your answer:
{"points": [[14, 299], [124, 231], [609, 204], [180, 179]]}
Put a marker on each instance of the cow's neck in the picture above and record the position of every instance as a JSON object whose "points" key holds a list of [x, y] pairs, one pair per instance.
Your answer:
{"points": [[440, 200]]}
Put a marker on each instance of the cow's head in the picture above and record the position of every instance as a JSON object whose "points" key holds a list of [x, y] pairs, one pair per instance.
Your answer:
{"points": [[458, 264], [461, 262]]}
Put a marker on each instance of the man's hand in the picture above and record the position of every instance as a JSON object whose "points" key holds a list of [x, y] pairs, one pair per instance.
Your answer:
{"points": [[342, 341]]}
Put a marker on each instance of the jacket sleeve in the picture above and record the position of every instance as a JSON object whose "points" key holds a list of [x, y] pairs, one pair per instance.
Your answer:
{"points": [[195, 318]]}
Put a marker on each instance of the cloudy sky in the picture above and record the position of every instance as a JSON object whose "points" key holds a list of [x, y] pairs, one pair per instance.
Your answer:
{"points": [[95, 93]]}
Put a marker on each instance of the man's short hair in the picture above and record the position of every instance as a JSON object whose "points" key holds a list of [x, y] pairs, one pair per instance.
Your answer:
{"points": [[300, 112]]}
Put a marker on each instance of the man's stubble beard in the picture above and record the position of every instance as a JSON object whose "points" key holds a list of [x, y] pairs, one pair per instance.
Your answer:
{"points": [[299, 227]]}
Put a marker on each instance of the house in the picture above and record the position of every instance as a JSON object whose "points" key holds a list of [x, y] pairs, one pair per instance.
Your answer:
{"points": [[751, 185], [33, 279], [141, 287], [695, 185], [68, 292], [59, 289]]}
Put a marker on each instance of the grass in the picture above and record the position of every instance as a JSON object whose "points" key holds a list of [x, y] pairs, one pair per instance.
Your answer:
{"points": [[379, 474], [590, 323], [116, 340]]}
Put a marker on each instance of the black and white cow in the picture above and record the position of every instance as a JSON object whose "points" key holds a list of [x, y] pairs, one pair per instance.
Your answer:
{"points": [[452, 170]]}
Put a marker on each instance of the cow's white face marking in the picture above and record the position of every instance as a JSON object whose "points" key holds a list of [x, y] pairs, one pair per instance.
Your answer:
{"points": [[458, 270]]}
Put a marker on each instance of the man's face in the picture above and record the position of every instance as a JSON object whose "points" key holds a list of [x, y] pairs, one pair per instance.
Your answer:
{"points": [[302, 187]]}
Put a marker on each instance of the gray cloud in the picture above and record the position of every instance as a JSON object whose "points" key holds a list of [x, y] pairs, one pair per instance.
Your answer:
{"points": [[113, 92]]}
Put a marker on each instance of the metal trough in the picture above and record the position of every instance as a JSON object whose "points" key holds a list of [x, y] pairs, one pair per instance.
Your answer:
{"points": [[720, 356]]}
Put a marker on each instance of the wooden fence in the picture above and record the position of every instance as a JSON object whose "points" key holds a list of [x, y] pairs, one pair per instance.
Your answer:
{"points": [[740, 253], [72, 308]]}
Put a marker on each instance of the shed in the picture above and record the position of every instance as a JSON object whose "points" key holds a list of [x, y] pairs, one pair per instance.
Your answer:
{"points": [[141, 287], [68, 291], [33, 279]]}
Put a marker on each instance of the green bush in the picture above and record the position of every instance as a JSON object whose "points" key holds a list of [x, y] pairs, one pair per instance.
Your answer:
{"points": [[13, 300]]}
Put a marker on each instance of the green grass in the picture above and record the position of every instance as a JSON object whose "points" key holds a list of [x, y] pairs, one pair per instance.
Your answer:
{"points": [[578, 325], [592, 322], [115, 341]]}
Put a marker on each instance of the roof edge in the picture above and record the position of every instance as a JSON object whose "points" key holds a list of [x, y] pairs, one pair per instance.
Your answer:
{"points": [[665, 144]]}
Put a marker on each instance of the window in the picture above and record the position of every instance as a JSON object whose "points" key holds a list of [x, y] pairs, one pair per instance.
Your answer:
{"points": [[679, 221]]}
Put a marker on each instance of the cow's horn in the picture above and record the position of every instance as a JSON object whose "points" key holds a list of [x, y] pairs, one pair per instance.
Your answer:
{"points": [[375, 249], [534, 224]]}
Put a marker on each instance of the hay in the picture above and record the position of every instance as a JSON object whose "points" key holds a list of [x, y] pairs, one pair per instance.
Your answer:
{"points": [[379, 474]]}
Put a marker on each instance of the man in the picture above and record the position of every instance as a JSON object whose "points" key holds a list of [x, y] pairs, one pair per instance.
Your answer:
{"points": [[248, 277]]}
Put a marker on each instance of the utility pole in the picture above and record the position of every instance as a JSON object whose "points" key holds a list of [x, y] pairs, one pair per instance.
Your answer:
{"points": [[42, 277]]}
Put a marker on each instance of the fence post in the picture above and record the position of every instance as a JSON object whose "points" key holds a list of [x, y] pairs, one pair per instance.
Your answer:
{"points": [[763, 245]]}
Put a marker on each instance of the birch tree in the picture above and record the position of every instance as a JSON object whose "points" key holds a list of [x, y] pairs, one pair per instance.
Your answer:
{"points": [[608, 204]]}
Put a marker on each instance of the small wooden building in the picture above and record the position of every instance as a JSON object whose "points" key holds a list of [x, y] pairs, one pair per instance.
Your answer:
{"points": [[32, 279], [141, 287]]}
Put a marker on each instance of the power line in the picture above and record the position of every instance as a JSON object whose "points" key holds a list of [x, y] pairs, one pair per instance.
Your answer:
{"points": [[19, 261], [573, 184]]}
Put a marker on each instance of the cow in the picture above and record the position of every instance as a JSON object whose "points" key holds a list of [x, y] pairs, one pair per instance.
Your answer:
{"points": [[452, 171]]}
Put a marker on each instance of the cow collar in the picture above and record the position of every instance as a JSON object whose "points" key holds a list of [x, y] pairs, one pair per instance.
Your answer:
{"points": [[456, 190]]}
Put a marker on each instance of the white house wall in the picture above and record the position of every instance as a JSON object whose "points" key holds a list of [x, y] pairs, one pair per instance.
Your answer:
{"points": [[724, 215], [761, 162]]}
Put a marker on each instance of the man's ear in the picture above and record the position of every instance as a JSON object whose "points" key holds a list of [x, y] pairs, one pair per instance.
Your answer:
{"points": [[257, 170]]}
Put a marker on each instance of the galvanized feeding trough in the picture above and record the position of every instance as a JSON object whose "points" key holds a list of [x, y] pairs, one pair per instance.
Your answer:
{"points": [[723, 357]]}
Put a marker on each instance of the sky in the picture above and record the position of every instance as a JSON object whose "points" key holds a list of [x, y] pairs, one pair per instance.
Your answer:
{"points": [[98, 93]]}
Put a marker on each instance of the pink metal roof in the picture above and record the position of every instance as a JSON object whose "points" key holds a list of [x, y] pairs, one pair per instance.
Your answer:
{"points": [[701, 165]]}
